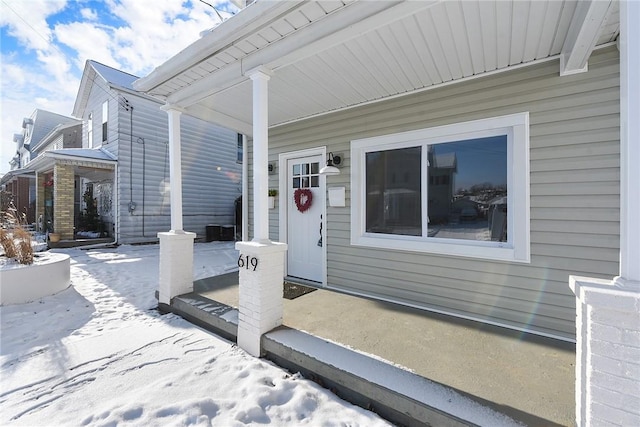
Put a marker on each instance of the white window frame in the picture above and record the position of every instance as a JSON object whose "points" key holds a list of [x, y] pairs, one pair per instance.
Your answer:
{"points": [[105, 119], [90, 131], [516, 249]]}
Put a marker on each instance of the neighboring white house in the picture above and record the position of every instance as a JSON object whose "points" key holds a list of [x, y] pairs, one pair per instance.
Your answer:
{"points": [[536, 100], [33, 138], [123, 165]]}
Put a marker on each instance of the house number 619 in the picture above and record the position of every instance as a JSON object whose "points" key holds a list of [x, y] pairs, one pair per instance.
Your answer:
{"points": [[247, 261]]}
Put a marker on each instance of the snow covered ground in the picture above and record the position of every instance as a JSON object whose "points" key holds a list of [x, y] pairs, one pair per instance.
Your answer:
{"points": [[99, 354]]}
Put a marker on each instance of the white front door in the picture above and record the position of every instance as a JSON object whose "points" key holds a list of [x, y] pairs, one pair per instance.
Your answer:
{"points": [[305, 210]]}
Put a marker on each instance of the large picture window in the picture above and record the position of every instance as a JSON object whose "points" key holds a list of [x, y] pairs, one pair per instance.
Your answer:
{"points": [[460, 189]]}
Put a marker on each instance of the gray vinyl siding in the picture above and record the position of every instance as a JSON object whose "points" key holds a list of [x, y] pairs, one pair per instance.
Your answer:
{"points": [[208, 193], [574, 185]]}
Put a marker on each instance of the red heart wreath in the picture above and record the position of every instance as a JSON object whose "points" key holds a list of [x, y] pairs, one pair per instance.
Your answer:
{"points": [[303, 198]]}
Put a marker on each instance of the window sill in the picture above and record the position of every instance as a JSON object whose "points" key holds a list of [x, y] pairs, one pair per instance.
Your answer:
{"points": [[493, 251]]}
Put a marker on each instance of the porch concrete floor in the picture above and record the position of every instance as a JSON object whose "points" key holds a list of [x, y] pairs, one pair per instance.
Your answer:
{"points": [[527, 377]]}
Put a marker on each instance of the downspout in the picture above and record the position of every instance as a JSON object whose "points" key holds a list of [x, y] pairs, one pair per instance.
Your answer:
{"points": [[116, 232], [141, 140], [132, 205], [128, 107]]}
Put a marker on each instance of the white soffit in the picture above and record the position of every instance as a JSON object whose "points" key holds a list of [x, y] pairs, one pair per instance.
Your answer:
{"points": [[331, 55]]}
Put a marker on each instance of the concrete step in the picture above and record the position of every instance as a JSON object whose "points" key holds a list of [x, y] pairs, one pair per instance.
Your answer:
{"points": [[394, 393]]}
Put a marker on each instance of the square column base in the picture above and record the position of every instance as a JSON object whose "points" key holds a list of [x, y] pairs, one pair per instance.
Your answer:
{"points": [[176, 264], [607, 353], [261, 274]]}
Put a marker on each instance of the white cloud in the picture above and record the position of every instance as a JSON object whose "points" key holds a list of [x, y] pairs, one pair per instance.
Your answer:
{"points": [[26, 20], [156, 31], [89, 41], [23, 90], [89, 14]]}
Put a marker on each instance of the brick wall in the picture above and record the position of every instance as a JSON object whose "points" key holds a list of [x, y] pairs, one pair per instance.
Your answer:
{"points": [[260, 304], [63, 197], [608, 354]]}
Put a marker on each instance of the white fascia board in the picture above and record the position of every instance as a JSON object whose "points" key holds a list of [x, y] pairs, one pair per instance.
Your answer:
{"points": [[83, 91], [47, 160], [245, 22], [40, 163], [123, 90], [62, 156], [582, 36]]}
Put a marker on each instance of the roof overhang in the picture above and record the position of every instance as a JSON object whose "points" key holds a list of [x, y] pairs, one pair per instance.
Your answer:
{"points": [[86, 158], [84, 90], [14, 174], [54, 133], [327, 56]]}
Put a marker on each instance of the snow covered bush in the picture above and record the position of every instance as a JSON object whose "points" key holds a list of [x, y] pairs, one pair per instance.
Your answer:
{"points": [[17, 242]]}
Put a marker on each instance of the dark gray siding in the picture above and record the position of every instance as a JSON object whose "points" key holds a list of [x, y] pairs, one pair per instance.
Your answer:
{"points": [[211, 178], [574, 183]]}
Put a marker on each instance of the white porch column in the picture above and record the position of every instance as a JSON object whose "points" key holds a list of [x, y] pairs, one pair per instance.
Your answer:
{"points": [[629, 146], [260, 77], [245, 190], [175, 166], [261, 262], [608, 321], [176, 246]]}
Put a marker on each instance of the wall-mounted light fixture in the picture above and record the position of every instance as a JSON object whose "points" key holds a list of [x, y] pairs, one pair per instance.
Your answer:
{"points": [[332, 162]]}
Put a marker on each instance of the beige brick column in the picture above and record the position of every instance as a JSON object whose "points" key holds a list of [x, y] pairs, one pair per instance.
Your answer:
{"points": [[63, 196], [39, 196]]}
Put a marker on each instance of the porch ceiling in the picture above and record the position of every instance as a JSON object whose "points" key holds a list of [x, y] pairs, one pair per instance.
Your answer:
{"points": [[331, 55]]}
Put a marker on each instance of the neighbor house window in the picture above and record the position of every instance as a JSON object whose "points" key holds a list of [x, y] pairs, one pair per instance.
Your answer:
{"points": [[90, 131], [459, 189], [105, 120], [239, 148]]}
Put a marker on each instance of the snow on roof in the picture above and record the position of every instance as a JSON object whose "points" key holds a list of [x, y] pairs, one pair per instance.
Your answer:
{"points": [[55, 131], [86, 153], [43, 122], [113, 76]]}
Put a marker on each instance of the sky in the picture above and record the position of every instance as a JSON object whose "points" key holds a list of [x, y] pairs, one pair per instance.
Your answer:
{"points": [[45, 44]]}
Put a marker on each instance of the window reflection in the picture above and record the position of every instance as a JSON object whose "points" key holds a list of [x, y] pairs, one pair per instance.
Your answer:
{"points": [[468, 189]]}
